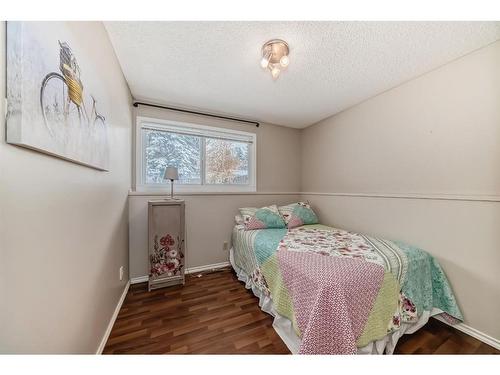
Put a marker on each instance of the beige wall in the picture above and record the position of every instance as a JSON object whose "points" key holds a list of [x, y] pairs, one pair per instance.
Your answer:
{"points": [[63, 229], [435, 137], [210, 218], [436, 134], [209, 222]]}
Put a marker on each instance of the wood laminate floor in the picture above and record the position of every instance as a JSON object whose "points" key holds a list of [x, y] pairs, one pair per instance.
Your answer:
{"points": [[215, 314]]}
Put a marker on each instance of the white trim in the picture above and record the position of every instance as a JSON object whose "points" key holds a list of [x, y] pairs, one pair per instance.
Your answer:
{"points": [[176, 194], [140, 279], [112, 320], [483, 337], [208, 267], [199, 130], [190, 128], [192, 188], [453, 197], [473, 198]]}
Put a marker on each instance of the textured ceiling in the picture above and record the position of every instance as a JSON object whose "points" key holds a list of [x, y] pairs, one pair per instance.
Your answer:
{"points": [[214, 66]]}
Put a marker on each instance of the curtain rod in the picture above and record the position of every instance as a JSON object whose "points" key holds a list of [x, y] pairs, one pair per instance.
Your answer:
{"points": [[136, 104]]}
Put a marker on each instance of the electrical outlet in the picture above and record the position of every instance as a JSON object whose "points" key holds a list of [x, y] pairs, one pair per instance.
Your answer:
{"points": [[121, 273], [225, 247]]}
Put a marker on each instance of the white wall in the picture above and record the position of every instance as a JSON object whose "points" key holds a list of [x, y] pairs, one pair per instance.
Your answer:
{"points": [[63, 228], [210, 218], [436, 141]]}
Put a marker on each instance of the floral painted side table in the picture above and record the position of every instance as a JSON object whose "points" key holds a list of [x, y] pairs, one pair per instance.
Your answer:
{"points": [[166, 243]]}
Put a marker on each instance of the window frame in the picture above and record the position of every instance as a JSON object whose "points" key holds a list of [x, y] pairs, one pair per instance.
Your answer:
{"points": [[205, 131]]}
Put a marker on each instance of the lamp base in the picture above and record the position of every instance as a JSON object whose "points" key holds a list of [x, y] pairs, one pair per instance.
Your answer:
{"points": [[172, 192]]}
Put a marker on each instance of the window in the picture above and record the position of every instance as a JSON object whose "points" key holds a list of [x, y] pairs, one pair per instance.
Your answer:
{"points": [[208, 159]]}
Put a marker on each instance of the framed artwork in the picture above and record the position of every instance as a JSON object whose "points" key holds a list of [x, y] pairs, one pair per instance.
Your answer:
{"points": [[55, 99]]}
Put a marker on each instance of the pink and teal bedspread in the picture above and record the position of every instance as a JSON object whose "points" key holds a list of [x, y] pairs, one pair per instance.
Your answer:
{"points": [[342, 290]]}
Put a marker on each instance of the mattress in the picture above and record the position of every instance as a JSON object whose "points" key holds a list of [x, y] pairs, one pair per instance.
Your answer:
{"points": [[337, 292]]}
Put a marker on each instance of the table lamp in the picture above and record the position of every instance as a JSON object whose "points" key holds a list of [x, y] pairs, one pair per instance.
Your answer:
{"points": [[171, 174]]}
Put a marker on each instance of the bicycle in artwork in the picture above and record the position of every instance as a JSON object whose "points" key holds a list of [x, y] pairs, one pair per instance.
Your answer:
{"points": [[62, 103]]}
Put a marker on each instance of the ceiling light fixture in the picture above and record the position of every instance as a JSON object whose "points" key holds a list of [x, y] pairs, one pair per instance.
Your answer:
{"points": [[275, 56]]}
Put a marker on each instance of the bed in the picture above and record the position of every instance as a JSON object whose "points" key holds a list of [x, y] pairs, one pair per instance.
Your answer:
{"points": [[331, 291]]}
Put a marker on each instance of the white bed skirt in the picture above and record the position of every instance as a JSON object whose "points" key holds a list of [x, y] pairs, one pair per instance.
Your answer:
{"points": [[283, 326]]}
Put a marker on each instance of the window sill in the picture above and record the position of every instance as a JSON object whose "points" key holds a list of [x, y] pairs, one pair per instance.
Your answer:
{"points": [[196, 189], [164, 193]]}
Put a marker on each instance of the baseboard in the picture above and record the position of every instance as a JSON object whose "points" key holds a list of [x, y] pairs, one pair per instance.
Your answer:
{"points": [[112, 320], [208, 267], [138, 280], [483, 337]]}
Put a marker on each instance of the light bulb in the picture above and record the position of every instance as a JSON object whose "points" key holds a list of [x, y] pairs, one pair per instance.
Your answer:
{"points": [[275, 72], [284, 61], [264, 63]]}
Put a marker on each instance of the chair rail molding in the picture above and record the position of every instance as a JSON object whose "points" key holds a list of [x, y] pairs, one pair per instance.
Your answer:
{"points": [[430, 196]]}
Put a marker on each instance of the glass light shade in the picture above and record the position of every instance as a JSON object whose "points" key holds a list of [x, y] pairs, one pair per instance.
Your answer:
{"points": [[264, 63], [284, 61], [171, 173], [275, 72]]}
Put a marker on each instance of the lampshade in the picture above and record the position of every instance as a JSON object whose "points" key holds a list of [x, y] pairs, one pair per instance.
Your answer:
{"points": [[171, 173]]}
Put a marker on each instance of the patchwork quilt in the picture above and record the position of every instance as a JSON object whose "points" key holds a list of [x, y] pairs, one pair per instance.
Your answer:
{"points": [[342, 290]]}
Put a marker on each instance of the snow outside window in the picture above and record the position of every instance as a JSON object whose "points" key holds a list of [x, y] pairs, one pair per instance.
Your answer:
{"points": [[208, 159]]}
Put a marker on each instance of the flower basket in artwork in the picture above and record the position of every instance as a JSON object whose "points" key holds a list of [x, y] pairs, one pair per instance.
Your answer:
{"points": [[166, 259]]}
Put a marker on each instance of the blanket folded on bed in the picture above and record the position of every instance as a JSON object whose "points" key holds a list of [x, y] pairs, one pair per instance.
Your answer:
{"points": [[342, 290]]}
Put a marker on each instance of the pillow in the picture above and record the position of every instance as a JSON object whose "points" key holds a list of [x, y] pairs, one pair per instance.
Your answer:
{"points": [[238, 219], [262, 218], [297, 214]]}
